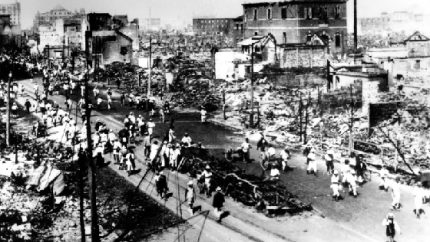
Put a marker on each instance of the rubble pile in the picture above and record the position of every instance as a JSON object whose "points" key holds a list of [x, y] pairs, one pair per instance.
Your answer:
{"points": [[196, 94], [265, 195]]}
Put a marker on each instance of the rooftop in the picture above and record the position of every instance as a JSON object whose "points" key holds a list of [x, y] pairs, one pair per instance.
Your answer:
{"points": [[260, 2], [417, 36]]}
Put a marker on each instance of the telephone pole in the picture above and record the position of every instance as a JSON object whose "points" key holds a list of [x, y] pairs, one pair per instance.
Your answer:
{"points": [[301, 116], [150, 73], [307, 119], [355, 27], [351, 141], [8, 108], [95, 234], [251, 118]]}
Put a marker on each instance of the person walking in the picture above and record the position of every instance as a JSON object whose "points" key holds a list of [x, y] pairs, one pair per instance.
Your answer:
{"points": [[312, 163], [190, 196], [147, 144], [329, 157], [207, 176], [150, 125], [161, 184], [395, 194], [27, 105], [335, 185], [218, 203], [391, 227], [285, 156], [174, 156], [245, 147], [419, 198], [203, 114]]}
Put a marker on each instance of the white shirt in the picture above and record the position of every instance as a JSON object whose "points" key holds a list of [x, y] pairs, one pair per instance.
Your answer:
{"points": [[271, 151], [151, 125], [284, 155], [245, 146], [186, 140], [174, 154]]}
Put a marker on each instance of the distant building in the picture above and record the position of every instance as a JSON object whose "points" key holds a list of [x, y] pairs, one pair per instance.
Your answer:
{"points": [[150, 24], [5, 24], [100, 21], [14, 10], [213, 26], [412, 56], [120, 21], [297, 21], [108, 46], [58, 12], [399, 21], [111, 39], [69, 32], [238, 29]]}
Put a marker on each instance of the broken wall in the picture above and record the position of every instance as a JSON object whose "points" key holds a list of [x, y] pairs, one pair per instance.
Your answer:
{"points": [[303, 57]]}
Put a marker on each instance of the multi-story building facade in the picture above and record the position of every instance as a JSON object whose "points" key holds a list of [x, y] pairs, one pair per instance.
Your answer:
{"points": [[213, 26], [150, 24], [400, 21], [14, 10], [297, 21], [49, 18]]}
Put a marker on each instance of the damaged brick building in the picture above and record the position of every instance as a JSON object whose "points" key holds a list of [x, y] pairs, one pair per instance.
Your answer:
{"points": [[297, 21], [110, 39]]}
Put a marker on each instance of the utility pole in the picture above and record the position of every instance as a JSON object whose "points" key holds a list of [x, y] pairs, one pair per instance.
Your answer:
{"points": [[95, 236], [351, 141], [307, 119], [355, 27], [8, 107], [150, 73], [251, 118], [81, 161], [301, 116], [64, 40]]}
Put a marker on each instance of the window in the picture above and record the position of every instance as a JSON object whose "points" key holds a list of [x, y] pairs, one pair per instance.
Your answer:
{"points": [[417, 64], [337, 41], [269, 13], [308, 13], [337, 12], [255, 14], [309, 37], [283, 13]]}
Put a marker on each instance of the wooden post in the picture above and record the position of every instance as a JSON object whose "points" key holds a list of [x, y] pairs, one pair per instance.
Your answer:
{"points": [[8, 108], [92, 171], [301, 116], [251, 118]]}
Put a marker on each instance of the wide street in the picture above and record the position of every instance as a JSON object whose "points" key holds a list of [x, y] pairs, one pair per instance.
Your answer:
{"points": [[353, 219]]}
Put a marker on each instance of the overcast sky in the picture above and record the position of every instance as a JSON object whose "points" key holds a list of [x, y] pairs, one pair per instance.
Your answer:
{"points": [[181, 11]]}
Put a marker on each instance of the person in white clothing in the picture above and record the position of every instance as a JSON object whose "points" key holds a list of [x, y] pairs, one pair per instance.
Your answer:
{"points": [[285, 156], [203, 114], [419, 198], [351, 180], [151, 126], [186, 140], [172, 136], [395, 193], [174, 156], [335, 185], [153, 153], [245, 147], [190, 196], [312, 163]]}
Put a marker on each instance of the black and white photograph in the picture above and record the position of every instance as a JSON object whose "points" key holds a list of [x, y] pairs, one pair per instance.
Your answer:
{"points": [[214, 121]]}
